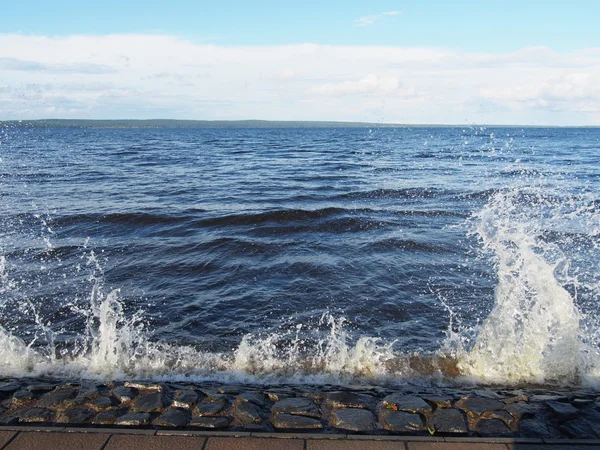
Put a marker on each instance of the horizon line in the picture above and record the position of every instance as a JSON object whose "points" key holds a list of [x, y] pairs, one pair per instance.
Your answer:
{"points": [[163, 123]]}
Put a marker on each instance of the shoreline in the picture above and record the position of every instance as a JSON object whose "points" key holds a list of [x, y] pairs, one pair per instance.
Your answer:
{"points": [[376, 411]]}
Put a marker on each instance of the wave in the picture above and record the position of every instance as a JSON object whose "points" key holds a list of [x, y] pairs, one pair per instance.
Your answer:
{"points": [[407, 193], [535, 333], [394, 244]]}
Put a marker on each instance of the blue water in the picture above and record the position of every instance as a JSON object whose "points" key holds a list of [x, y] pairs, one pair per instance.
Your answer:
{"points": [[294, 242]]}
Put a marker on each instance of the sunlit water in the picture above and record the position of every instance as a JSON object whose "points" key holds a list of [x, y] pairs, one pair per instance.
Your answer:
{"points": [[384, 255]]}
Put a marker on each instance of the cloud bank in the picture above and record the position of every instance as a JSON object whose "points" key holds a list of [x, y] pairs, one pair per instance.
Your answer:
{"points": [[158, 76]]}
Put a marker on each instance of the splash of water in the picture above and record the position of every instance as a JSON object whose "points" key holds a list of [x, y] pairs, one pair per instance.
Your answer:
{"points": [[535, 332]]}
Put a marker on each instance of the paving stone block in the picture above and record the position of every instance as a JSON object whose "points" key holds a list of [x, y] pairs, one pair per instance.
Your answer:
{"points": [[62, 441], [250, 443], [6, 436], [323, 444], [129, 442], [457, 446]]}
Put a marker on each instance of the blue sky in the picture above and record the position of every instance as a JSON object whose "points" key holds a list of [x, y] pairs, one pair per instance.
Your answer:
{"points": [[503, 62], [490, 25]]}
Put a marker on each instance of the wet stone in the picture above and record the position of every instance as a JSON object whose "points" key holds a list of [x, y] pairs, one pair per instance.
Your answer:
{"points": [[22, 397], [125, 394], [173, 418], [579, 429], [76, 415], [56, 397], [278, 395], [9, 387], [317, 397], [492, 427], [486, 393], [533, 428], [105, 418], [149, 403], [352, 419], [548, 398], [77, 401], [245, 413], [9, 420], [515, 399], [502, 415], [214, 397], [35, 415], [134, 419], [41, 387], [583, 403], [523, 410], [563, 411], [210, 409], [186, 399], [343, 399], [291, 422], [408, 403], [253, 397], [91, 390], [231, 390], [400, 421], [439, 401], [476, 406], [101, 403], [144, 386], [447, 421], [210, 423], [297, 406]]}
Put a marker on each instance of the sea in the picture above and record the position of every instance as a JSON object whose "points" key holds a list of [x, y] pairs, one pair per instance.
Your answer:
{"points": [[322, 255]]}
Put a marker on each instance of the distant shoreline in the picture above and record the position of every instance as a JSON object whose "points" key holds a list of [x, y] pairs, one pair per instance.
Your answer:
{"points": [[173, 123]]}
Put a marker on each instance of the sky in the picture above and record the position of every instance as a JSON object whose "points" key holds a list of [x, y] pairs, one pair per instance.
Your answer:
{"points": [[429, 61]]}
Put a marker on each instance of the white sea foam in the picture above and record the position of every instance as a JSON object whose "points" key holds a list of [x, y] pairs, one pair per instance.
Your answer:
{"points": [[535, 332]]}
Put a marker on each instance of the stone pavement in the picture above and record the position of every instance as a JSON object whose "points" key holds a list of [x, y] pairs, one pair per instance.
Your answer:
{"points": [[414, 411], [65, 438]]}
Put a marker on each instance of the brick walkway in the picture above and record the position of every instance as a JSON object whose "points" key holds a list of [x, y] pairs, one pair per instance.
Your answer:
{"points": [[25, 438]]}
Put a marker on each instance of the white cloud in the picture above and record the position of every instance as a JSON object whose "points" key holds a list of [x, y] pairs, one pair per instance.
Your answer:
{"points": [[371, 19], [371, 84], [149, 76]]}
